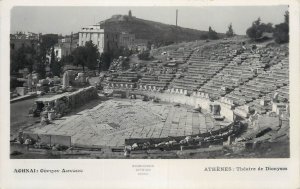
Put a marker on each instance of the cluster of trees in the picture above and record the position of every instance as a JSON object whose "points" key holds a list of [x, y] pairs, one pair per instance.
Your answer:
{"points": [[89, 57], [107, 57], [86, 56], [24, 57], [280, 31], [257, 29], [33, 58]]}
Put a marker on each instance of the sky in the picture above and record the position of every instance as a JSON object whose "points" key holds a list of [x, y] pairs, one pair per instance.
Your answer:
{"points": [[64, 20]]}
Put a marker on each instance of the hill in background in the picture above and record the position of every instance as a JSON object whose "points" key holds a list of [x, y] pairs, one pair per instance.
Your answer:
{"points": [[155, 32]]}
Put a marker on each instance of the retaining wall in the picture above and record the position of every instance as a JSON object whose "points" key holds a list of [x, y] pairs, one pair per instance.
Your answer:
{"points": [[194, 101]]}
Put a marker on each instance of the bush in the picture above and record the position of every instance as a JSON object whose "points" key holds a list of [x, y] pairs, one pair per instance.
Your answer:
{"points": [[212, 34], [257, 29], [281, 33]]}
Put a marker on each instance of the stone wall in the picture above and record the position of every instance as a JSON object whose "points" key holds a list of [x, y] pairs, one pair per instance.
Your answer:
{"points": [[82, 96], [49, 139], [194, 100]]}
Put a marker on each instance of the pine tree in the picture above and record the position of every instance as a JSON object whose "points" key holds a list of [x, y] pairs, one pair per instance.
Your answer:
{"points": [[55, 66], [230, 32]]}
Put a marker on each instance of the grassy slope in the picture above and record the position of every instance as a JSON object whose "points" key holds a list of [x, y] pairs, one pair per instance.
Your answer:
{"points": [[153, 31]]}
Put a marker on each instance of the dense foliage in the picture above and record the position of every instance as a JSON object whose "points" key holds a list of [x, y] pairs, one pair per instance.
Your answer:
{"points": [[27, 57], [230, 32], [212, 34], [86, 56], [281, 31], [34, 59], [257, 29], [55, 65]]}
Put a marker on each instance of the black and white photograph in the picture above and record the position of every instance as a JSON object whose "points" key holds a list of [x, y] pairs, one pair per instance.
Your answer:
{"points": [[152, 82], [140, 94]]}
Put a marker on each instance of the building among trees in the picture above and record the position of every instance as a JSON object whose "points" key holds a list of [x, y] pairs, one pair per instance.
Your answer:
{"points": [[104, 40]]}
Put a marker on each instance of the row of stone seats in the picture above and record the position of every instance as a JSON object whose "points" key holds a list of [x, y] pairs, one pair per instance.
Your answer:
{"points": [[230, 77], [158, 70], [123, 80], [264, 84], [199, 70], [205, 66], [155, 82], [242, 68], [283, 94], [181, 54], [271, 82]]}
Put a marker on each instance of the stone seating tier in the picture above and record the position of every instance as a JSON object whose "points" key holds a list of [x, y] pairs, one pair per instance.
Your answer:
{"points": [[236, 100], [194, 76], [211, 93], [239, 99], [203, 72], [161, 85], [254, 88], [252, 92], [211, 88], [121, 80], [189, 86], [188, 81], [148, 78]]}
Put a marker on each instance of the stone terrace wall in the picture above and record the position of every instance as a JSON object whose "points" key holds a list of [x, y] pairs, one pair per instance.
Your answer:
{"points": [[194, 101]]}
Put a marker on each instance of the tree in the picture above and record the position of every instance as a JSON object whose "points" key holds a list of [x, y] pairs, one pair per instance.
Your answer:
{"points": [[79, 57], [34, 59], [47, 41], [65, 60], [86, 56], [230, 32], [253, 32], [212, 34], [52, 57], [23, 58], [55, 66], [281, 31], [257, 29], [92, 55], [287, 17], [40, 68], [105, 60]]}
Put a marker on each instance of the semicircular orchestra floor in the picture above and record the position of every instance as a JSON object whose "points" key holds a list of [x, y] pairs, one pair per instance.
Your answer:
{"points": [[110, 122]]}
